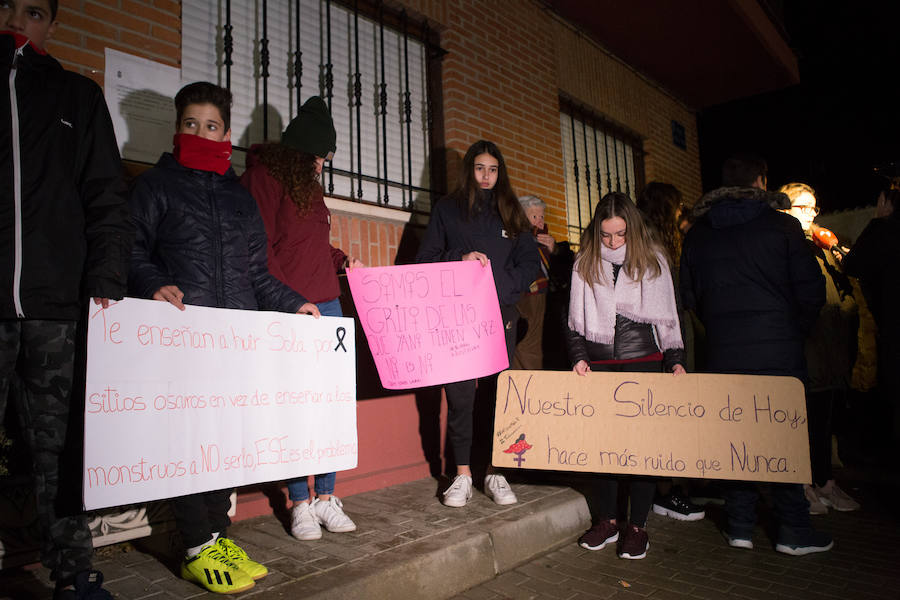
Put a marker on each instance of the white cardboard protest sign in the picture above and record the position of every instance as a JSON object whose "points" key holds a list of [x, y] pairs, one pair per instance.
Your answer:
{"points": [[744, 427], [183, 402]]}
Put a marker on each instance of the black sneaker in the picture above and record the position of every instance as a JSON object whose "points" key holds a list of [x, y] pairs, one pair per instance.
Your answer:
{"points": [[798, 542], [676, 506], [88, 585], [598, 536], [634, 544]]}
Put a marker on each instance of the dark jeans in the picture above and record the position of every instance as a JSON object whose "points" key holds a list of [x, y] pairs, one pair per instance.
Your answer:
{"points": [[889, 386], [819, 406], [791, 507], [640, 489], [461, 399], [199, 516], [41, 388]]}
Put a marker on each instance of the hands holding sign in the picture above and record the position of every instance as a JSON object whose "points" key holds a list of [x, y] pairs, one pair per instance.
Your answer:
{"points": [[174, 296]]}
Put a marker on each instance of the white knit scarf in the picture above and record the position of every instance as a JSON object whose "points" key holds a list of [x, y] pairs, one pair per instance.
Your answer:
{"points": [[593, 309]]}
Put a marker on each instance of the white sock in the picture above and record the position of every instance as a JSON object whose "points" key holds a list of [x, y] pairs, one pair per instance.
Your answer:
{"points": [[192, 552]]}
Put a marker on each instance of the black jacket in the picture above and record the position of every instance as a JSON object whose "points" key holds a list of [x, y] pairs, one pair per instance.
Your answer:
{"points": [[514, 260], [747, 272], [202, 232], [875, 260], [632, 340], [70, 207]]}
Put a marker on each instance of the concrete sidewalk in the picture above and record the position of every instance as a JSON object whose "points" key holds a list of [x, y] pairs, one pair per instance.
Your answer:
{"points": [[409, 546]]}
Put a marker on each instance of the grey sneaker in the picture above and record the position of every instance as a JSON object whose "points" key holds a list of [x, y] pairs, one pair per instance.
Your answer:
{"points": [[831, 495], [305, 523], [331, 514], [497, 489], [459, 491], [816, 506]]}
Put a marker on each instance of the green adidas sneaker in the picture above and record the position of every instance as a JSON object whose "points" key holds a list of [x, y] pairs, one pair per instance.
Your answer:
{"points": [[213, 570], [238, 556]]}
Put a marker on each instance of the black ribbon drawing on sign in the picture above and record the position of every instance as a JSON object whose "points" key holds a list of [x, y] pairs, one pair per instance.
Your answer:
{"points": [[340, 333]]}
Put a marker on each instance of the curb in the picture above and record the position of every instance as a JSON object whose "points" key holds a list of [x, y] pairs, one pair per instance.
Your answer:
{"points": [[445, 565]]}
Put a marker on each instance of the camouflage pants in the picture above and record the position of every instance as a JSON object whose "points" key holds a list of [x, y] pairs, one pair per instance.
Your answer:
{"points": [[36, 369]]}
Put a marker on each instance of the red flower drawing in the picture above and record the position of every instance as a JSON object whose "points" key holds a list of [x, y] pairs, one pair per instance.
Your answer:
{"points": [[519, 448]]}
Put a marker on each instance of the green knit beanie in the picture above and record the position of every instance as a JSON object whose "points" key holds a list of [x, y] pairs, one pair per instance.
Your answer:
{"points": [[312, 130]]}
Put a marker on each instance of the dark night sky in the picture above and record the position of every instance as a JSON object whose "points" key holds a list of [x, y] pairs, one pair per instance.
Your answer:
{"points": [[839, 123]]}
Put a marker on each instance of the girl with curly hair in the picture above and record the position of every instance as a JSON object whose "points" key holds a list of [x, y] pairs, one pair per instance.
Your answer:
{"points": [[284, 180]]}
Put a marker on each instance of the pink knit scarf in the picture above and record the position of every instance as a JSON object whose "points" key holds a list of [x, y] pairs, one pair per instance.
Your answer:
{"points": [[593, 309]]}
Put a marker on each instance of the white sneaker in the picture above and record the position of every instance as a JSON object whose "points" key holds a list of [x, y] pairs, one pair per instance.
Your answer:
{"points": [[331, 514], [459, 491], [305, 523], [498, 490], [736, 542]]}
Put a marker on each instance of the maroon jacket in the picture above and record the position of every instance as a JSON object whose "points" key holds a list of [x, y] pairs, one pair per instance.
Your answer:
{"points": [[300, 252]]}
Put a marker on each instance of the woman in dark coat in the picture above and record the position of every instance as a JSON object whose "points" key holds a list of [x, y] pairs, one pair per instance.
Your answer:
{"points": [[482, 220]]}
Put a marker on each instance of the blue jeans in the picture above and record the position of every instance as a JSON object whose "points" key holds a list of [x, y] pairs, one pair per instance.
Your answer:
{"points": [[298, 489], [791, 508]]}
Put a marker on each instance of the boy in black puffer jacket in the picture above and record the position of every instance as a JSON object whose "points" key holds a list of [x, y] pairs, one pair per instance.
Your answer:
{"points": [[200, 240]]}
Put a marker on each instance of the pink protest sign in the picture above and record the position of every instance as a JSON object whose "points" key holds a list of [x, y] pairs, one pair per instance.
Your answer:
{"points": [[432, 323]]}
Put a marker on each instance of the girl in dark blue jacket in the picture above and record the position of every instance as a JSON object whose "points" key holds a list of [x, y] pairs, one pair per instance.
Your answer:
{"points": [[482, 220]]}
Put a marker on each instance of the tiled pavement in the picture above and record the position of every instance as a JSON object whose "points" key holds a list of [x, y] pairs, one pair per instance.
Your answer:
{"points": [[691, 561], [409, 546]]}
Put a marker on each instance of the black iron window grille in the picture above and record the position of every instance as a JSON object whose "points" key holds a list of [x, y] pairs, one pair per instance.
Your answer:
{"points": [[377, 69], [598, 157]]}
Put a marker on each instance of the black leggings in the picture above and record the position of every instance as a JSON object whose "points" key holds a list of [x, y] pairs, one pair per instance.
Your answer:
{"points": [[199, 516], [461, 400], [641, 489]]}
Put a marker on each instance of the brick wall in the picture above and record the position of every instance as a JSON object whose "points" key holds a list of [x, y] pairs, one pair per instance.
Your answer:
{"points": [[147, 28], [601, 81], [507, 62], [372, 241]]}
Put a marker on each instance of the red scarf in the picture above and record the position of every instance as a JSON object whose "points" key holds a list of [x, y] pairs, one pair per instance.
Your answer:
{"points": [[21, 40], [195, 152]]}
